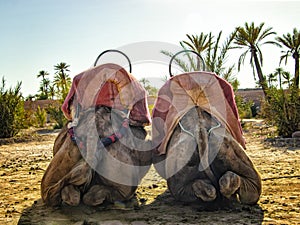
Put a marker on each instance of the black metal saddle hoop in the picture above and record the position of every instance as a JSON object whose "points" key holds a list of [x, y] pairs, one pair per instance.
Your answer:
{"points": [[184, 51], [114, 50]]}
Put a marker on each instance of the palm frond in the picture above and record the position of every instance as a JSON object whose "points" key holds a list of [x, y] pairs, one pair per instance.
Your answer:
{"points": [[242, 59], [177, 61]]}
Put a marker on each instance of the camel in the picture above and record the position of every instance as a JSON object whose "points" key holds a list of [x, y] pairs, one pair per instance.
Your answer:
{"points": [[102, 153], [199, 145], [70, 177]]}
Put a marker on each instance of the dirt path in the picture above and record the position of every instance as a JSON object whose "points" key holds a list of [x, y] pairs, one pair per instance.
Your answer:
{"points": [[22, 166]]}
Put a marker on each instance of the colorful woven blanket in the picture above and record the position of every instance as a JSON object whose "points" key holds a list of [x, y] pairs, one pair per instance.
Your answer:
{"points": [[109, 85]]}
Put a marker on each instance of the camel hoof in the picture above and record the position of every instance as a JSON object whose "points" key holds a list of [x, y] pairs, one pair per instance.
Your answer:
{"points": [[70, 195], [204, 190], [229, 184], [95, 195]]}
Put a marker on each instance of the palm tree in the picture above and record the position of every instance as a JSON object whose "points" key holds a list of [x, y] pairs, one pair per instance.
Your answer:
{"points": [[62, 81], [278, 72], [42, 74], [44, 83], [287, 76], [251, 37], [292, 42], [215, 55], [52, 91], [145, 82], [44, 87], [271, 78], [198, 43]]}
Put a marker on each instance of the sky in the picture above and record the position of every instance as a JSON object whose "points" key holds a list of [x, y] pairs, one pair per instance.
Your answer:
{"points": [[35, 35]]}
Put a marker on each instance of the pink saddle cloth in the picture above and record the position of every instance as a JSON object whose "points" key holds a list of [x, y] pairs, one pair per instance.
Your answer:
{"points": [[109, 85], [183, 92]]}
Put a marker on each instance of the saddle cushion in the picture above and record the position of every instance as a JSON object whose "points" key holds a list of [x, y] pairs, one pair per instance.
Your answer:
{"points": [[112, 86], [183, 92]]}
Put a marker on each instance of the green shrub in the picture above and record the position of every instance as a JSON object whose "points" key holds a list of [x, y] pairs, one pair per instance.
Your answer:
{"points": [[57, 115], [29, 118], [11, 110], [244, 107], [283, 110], [41, 117], [150, 107]]}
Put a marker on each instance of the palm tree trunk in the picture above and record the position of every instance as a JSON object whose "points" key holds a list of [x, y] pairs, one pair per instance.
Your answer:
{"points": [[280, 85], [262, 79], [296, 57]]}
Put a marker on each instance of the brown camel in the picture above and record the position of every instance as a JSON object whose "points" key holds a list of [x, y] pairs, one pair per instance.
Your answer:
{"points": [[199, 142], [203, 165], [94, 173]]}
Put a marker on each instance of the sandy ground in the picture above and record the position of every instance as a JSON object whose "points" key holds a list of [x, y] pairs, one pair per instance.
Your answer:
{"points": [[22, 166]]}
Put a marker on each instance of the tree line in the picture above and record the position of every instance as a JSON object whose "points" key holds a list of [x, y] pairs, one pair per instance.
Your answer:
{"points": [[250, 38], [281, 108], [58, 88]]}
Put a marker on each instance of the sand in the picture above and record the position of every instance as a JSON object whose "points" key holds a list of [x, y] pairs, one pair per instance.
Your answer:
{"points": [[22, 166]]}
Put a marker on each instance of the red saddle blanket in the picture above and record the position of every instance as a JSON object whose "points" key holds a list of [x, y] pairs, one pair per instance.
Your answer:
{"points": [[109, 85], [183, 92]]}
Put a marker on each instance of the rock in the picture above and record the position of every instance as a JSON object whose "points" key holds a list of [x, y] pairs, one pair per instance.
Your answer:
{"points": [[296, 134], [293, 197]]}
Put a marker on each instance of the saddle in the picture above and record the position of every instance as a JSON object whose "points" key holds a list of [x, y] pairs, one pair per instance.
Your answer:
{"points": [[183, 92], [112, 86]]}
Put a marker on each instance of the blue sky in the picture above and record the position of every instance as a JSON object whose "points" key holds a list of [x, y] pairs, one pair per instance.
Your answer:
{"points": [[37, 34]]}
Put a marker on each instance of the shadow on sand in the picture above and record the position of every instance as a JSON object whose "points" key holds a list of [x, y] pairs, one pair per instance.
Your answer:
{"points": [[163, 210]]}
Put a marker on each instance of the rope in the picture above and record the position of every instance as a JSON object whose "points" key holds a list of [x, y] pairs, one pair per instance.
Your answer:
{"points": [[208, 132], [184, 130], [215, 127], [106, 141]]}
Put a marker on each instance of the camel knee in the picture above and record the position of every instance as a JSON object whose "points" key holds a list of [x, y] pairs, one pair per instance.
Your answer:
{"points": [[96, 195], [70, 195], [204, 190], [250, 191], [229, 184], [80, 174]]}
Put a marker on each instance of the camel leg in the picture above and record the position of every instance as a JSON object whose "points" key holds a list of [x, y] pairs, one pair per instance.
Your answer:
{"points": [[66, 157], [229, 184], [80, 174], [198, 189], [96, 195], [189, 185], [204, 190], [239, 173], [104, 189], [247, 189], [182, 192], [70, 195]]}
